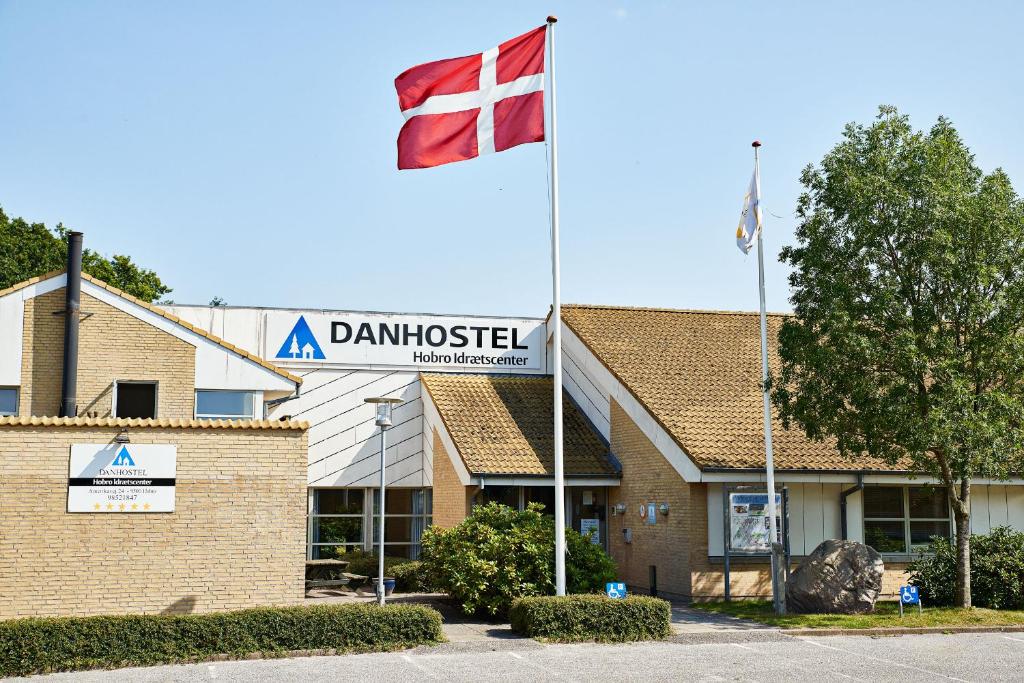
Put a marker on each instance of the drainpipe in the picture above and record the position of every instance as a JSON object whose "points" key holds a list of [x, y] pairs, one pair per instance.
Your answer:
{"points": [[859, 486], [72, 316]]}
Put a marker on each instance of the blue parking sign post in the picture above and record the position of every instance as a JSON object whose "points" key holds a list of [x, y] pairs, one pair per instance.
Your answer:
{"points": [[909, 595], [614, 590]]}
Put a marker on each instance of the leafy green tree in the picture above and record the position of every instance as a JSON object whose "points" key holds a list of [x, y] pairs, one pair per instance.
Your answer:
{"points": [[31, 249], [908, 294]]}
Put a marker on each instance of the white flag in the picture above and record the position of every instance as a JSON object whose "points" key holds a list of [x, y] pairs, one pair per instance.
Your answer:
{"points": [[749, 229]]}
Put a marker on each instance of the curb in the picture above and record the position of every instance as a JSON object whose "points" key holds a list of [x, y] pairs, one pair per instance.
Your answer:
{"points": [[900, 630]]}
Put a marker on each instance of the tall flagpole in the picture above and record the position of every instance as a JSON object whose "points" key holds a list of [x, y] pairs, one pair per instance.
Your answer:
{"points": [[777, 596], [556, 318]]}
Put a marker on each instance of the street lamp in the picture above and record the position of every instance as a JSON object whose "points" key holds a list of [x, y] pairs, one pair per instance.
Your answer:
{"points": [[384, 404]]}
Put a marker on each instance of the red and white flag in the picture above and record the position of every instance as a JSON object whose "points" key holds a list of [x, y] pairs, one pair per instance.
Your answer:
{"points": [[457, 109]]}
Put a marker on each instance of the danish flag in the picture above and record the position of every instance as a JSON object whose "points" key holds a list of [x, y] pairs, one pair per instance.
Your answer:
{"points": [[457, 109]]}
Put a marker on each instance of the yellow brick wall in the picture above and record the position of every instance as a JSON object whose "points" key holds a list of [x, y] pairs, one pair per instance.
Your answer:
{"points": [[451, 498], [112, 346], [648, 478], [236, 539]]}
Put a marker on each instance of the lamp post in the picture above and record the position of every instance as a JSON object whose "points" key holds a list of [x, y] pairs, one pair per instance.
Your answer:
{"points": [[384, 404]]}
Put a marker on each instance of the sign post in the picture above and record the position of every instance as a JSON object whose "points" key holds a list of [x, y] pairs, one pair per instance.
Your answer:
{"points": [[910, 595]]}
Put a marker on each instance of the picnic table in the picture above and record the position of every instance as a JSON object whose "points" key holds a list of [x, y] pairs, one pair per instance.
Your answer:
{"points": [[326, 573]]}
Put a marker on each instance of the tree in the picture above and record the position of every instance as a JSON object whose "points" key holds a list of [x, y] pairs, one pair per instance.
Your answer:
{"points": [[31, 249], [907, 340]]}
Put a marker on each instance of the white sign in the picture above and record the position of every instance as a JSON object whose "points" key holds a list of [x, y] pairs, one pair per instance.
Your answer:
{"points": [[748, 521], [588, 525], [379, 339], [122, 478]]}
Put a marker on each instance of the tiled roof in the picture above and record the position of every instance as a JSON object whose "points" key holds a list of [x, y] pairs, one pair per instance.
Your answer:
{"points": [[159, 311], [151, 422], [698, 373], [503, 425]]}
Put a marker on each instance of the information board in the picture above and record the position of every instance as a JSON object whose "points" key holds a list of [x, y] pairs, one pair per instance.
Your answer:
{"points": [[748, 522], [588, 525]]}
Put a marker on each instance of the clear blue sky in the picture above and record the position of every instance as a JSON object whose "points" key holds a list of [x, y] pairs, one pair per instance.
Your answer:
{"points": [[247, 149]]}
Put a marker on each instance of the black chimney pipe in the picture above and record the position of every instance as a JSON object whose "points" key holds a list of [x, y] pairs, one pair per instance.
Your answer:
{"points": [[72, 316]]}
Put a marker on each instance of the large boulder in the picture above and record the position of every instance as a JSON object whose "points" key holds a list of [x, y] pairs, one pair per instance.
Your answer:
{"points": [[843, 577]]}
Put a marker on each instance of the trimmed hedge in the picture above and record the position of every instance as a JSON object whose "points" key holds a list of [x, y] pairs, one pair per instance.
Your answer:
{"points": [[591, 617], [41, 645]]}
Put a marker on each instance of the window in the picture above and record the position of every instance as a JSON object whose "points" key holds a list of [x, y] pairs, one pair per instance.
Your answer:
{"points": [[407, 515], [903, 519], [335, 523], [8, 401], [135, 399], [224, 405]]}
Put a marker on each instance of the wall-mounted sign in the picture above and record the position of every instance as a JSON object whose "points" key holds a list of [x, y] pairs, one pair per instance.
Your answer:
{"points": [[591, 525], [122, 478], [649, 513], [361, 339], [748, 521]]}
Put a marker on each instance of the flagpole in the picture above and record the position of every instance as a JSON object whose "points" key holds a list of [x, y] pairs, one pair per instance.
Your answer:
{"points": [[777, 596], [556, 318]]}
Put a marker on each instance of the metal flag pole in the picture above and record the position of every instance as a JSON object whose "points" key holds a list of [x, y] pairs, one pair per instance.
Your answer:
{"points": [[777, 596], [556, 318]]}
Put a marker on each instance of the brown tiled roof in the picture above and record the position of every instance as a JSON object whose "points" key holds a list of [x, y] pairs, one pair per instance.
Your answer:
{"points": [[150, 422], [698, 373], [159, 311], [503, 425]]}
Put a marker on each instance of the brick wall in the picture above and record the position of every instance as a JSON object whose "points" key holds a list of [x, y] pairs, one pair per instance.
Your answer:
{"points": [[451, 498], [112, 346], [236, 539], [648, 478]]}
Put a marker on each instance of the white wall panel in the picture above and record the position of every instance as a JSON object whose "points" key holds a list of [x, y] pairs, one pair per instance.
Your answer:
{"points": [[831, 517], [1015, 506], [998, 515], [855, 517], [716, 521], [796, 519], [814, 517], [979, 510]]}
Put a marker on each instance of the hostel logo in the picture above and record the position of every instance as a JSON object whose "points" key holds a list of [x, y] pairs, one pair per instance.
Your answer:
{"points": [[300, 344], [123, 458]]}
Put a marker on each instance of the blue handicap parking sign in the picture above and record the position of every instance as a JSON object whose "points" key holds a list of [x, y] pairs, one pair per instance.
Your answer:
{"points": [[909, 595], [615, 590]]}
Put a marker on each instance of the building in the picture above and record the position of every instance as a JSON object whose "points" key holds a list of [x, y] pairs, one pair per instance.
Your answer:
{"points": [[276, 453], [167, 490], [662, 412]]}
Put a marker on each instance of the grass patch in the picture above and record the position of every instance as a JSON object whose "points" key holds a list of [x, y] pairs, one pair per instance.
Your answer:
{"points": [[886, 615]]}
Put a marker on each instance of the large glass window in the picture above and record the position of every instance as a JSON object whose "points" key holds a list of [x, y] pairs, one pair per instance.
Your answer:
{"points": [[8, 401], [407, 513], [224, 405], [336, 523], [903, 519]]}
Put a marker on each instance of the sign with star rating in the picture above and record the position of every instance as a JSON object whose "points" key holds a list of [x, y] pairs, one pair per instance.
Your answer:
{"points": [[122, 478]]}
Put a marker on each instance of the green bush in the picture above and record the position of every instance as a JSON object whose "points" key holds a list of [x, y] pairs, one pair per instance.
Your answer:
{"points": [[591, 617], [365, 564], [498, 554], [410, 577], [997, 570], [29, 646]]}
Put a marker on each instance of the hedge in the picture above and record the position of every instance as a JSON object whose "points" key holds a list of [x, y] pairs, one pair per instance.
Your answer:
{"points": [[591, 617], [41, 645]]}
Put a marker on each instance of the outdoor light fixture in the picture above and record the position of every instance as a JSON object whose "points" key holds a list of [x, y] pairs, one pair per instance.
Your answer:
{"points": [[122, 437], [663, 508], [619, 509], [384, 405]]}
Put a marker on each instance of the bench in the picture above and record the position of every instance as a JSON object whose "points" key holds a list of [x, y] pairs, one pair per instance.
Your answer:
{"points": [[326, 573]]}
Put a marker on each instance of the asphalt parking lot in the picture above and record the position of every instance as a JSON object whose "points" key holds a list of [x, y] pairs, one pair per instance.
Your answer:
{"points": [[985, 657]]}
